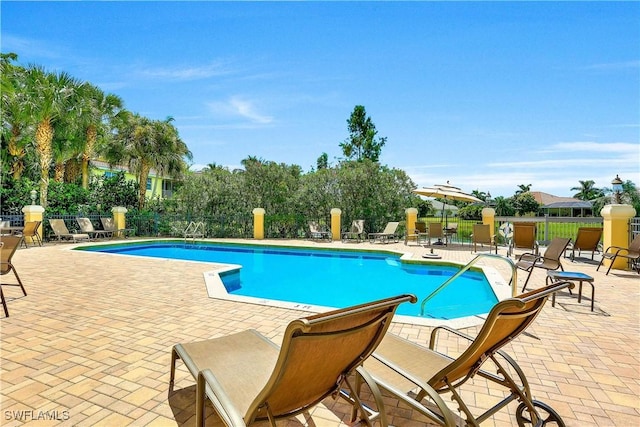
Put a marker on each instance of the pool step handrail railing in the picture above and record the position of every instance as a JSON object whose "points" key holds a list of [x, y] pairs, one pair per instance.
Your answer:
{"points": [[194, 229], [514, 277]]}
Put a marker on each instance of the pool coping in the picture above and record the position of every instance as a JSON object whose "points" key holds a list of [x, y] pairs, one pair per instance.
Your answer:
{"points": [[216, 289]]}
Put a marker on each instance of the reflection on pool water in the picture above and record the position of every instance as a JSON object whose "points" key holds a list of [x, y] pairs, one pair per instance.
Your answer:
{"points": [[327, 278]]}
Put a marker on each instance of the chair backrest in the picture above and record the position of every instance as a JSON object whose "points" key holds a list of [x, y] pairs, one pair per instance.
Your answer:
{"points": [[59, 227], [85, 225], [452, 227], [421, 227], [482, 233], [357, 226], [524, 235], [435, 229], [634, 247], [107, 224], [8, 248], [506, 320], [588, 238], [555, 249], [319, 351], [30, 228], [390, 228]]}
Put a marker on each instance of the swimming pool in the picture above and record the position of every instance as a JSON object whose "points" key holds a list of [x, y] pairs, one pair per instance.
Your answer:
{"points": [[309, 278]]}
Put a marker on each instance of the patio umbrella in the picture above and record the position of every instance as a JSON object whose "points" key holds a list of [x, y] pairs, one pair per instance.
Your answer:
{"points": [[447, 192]]}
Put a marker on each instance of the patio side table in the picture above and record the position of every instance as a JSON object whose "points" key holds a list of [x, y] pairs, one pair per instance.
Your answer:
{"points": [[572, 276]]}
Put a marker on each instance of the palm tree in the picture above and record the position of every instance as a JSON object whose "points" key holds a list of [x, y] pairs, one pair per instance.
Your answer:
{"points": [[587, 191], [145, 144], [96, 110], [523, 188], [49, 97]]}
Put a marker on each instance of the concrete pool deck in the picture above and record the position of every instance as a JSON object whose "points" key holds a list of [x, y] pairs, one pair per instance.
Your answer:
{"points": [[90, 345]]}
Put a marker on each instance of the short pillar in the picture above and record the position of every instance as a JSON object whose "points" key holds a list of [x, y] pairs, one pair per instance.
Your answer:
{"points": [[615, 229], [34, 213], [336, 218], [258, 223], [119, 218], [412, 217], [489, 218]]}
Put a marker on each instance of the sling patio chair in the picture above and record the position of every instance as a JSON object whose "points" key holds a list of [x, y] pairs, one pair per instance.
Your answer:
{"points": [[388, 234], [110, 225], [356, 232], [411, 372], [86, 226], [248, 378], [436, 232], [550, 260], [632, 254], [318, 232], [419, 233], [524, 237], [62, 232], [8, 247], [30, 231], [587, 239], [482, 236]]}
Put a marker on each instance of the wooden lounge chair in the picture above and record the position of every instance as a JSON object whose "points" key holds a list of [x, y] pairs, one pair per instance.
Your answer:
{"points": [[248, 378], [8, 247], [482, 236], [587, 239], [524, 237], [87, 227], [62, 232], [318, 233], [389, 233], [109, 225], [550, 260], [356, 232], [410, 372], [30, 231], [632, 253]]}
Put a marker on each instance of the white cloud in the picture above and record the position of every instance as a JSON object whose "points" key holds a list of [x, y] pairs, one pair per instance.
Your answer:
{"points": [[596, 147], [187, 73], [238, 107]]}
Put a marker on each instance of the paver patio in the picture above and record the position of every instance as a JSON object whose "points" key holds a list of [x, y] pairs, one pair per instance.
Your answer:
{"points": [[90, 345]]}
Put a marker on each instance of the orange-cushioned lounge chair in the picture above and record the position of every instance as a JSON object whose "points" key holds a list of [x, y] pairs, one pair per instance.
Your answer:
{"points": [[411, 372], [8, 247], [632, 254], [248, 378]]}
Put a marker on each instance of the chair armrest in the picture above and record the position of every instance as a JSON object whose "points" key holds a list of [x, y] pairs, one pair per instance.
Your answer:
{"points": [[437, 329], [208, 385], [530, 257], [618, 249]]}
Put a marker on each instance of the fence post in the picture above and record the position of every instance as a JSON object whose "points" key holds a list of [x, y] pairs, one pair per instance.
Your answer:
{"points": [[258, 223], [546, 228], [119, 218], [615, 229], [34, 213], [335, 223], [489, 218]]}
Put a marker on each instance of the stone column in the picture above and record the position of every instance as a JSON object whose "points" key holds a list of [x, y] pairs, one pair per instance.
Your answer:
{"points": [[336, 218], [34, 213], [119, 218], [258, 223], [412, 217], [489, 217], [615, 230]]}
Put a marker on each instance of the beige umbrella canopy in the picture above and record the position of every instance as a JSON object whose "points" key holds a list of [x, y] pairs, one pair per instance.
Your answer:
{"points": [[447, 192]]}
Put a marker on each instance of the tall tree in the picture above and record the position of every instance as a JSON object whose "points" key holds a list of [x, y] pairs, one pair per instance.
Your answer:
{"points": [[362, 142], [587, 190], [523, 188], [49, 97]]}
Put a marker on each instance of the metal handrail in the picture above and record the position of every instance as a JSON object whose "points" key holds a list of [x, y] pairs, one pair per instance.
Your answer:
{"points": [[514, 277]]}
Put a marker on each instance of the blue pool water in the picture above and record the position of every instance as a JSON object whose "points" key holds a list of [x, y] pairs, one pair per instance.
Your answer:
{"points": [[330, 278]]}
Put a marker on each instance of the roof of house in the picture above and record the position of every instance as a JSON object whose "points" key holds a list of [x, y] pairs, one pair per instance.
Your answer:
{"points": [[550, 201]]}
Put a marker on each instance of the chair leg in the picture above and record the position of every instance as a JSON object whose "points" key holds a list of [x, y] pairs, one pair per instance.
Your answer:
{"points": [[527, 279], [19, 281], [4, 303]]}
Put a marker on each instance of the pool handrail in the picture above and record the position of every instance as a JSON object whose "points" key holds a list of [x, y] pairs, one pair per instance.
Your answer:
{"points": [[514, 277]]}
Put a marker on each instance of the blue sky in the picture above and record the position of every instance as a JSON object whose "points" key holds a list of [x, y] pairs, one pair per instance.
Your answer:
{"points": [[486, 95]]}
